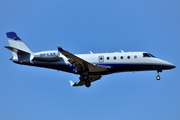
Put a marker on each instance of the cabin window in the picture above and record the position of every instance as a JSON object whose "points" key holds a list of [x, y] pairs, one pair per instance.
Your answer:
{"points": [[108, 58], [114, 57], [121, 57], [135, 56], [128, 57]]}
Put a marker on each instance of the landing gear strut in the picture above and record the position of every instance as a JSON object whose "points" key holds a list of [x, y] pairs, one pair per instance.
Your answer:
{"points": [[158, 76]]}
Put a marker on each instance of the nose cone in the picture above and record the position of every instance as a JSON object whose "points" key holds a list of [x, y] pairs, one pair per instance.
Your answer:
{"points": [[170, 66], [167, 65]]}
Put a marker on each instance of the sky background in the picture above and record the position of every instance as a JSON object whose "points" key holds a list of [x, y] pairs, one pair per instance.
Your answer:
{"points": [[80, 26]]}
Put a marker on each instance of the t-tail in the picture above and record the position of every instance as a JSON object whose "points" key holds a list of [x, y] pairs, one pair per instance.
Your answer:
{"points": [[21, 52]]}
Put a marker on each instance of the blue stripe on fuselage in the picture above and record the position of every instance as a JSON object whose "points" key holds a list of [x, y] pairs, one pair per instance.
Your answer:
{"points": [[113, 67]]}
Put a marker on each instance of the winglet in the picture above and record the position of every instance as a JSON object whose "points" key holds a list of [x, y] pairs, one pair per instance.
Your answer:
{"points": [[71, 83], [59, 48]]}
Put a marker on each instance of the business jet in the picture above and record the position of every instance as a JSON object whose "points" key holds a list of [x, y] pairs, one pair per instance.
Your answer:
{"points": [[90, 67]]}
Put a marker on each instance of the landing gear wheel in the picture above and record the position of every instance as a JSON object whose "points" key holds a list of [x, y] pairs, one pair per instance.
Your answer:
{"points": [[158, 77], [87, 83]]}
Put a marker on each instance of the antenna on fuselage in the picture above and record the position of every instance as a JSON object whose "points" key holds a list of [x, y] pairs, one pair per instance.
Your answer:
{"points": [[122, 51], [91, 52]]}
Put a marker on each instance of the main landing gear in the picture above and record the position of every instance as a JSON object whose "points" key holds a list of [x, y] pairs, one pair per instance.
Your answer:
{"points": [[86, 79], [158, 76], [87, 83]]}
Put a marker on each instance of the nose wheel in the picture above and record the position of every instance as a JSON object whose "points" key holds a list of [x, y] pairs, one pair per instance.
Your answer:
{"points": [[158, 77]]}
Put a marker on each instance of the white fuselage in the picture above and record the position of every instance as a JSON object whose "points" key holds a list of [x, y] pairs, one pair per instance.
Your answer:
{"points": [[117, 61]]}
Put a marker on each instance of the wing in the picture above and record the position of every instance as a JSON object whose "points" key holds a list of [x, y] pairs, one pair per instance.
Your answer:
{"points": [[79, 83], [80, 64]]}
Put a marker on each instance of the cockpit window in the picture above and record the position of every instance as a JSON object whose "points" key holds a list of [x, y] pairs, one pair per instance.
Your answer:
{"points": [[151, 55], [147, 55]]}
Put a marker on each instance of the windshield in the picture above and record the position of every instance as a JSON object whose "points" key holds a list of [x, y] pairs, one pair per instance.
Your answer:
{"points": [[148, 55]]}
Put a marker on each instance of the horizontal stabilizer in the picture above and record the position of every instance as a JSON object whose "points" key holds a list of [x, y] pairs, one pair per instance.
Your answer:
{"points": [[16, 50]]}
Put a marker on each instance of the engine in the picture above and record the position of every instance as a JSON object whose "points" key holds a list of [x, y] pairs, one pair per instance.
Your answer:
{"points": [[47, 56]]}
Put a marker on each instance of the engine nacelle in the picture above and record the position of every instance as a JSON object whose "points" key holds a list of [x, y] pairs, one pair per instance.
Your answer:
{"points": [[47, 56]]}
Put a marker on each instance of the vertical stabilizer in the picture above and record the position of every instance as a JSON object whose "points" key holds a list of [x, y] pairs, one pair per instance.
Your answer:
{"points": [[20, 51], [17, 43]]}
